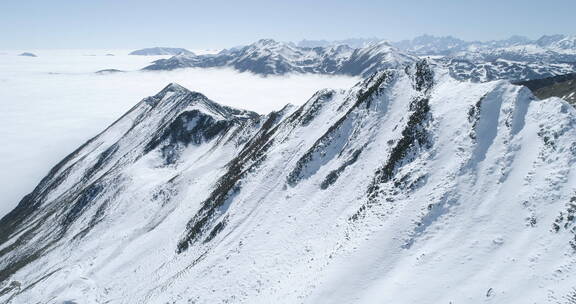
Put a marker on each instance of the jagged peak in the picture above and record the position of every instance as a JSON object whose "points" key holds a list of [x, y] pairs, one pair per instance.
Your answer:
{"points": [[269, 44], [173, 87], [266, 42], [174, 93], [382, 44], [170, 90]]}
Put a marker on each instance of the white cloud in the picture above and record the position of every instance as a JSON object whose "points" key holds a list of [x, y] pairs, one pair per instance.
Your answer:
{"points": [[51, 104]]}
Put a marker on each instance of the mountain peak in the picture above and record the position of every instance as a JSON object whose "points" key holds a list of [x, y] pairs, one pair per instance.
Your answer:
{"points": [[547, 40], [174, 87], [177, 95], [171, 89], [382, 46], [566, 43], [266, 42]]}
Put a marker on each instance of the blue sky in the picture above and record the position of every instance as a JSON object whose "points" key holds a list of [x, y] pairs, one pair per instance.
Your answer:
{"points": [[217, 24]]}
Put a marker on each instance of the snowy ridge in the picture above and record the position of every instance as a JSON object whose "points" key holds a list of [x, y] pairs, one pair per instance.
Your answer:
{"points": [[409, 181]]}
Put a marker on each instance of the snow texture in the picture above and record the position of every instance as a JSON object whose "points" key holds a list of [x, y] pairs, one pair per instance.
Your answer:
{"points": [[410, 187]]}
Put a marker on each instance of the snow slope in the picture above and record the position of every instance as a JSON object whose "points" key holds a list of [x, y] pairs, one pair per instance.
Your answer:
{"points": [[411, 187]]}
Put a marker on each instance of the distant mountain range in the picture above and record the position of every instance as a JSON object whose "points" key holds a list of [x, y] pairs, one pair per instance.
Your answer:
{"points": [[449, 46], [156, 51], [515, 59], [269, 57]]}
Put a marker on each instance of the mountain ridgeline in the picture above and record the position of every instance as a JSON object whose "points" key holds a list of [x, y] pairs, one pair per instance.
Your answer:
{"points": [[515, 59], [409, 181], [269, 57]]}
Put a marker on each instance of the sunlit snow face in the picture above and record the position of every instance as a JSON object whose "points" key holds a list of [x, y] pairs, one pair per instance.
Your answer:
{"points": [[52, 103]]}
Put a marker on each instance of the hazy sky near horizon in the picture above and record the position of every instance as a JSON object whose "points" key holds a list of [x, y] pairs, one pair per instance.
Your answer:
{"points": [[219, 24]]}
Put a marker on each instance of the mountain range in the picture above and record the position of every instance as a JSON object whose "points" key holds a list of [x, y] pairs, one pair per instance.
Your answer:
{"points": [[410, 187], [269, 57], [448, 45], [514, 59], [156, 51]]}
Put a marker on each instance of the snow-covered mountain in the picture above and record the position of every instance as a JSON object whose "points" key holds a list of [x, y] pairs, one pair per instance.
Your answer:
{"points": [[155, 51], [520, 46], [411, 187], [269, 57], [514, 59], [517, 58], [480, 70], [560, 43], [427, 45]]}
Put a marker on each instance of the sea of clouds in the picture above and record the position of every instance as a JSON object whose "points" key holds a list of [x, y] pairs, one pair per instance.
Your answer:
{"points": [[51, 104]]}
